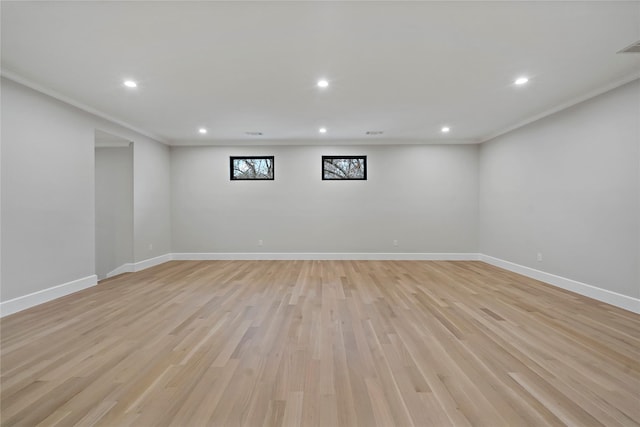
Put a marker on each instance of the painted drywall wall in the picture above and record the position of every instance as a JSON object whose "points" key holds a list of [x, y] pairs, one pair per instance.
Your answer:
{"points": [[425, 197], [568, 187], [48, 206], [152, 207], [47, 193], [114, 208]]}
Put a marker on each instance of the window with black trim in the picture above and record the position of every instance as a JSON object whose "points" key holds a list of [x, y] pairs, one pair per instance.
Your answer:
{"points": [[344, 168], [251, 168]]}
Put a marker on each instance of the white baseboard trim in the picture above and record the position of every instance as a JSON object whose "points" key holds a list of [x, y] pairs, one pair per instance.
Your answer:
{"points": [[213, 256], [45, 295], [603, 295], [27, 301], [132, 267], [151, 262], [124, 268]]}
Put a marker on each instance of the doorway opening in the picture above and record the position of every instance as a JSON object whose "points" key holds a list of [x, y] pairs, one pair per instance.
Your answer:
{"points": [[113, 204]]}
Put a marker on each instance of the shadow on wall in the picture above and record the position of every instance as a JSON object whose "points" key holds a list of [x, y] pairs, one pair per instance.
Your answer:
{"points": [[113, 203]]}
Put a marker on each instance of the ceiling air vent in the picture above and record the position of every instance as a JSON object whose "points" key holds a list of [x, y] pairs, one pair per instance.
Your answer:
{"points": [[633, 48], [254, 133], [375, 132]]}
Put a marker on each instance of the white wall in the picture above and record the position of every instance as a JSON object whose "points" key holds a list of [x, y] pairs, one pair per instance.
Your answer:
{"points": [[423, 196], [47, 193], [568, 186], [114, 208], [151, 199], [48, 219]]}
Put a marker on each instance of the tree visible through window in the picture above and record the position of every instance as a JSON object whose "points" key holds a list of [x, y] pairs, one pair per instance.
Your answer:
{"points": [[344, 167], [251, 168]]}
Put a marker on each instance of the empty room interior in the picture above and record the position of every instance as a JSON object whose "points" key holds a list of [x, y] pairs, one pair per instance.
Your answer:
{"points": [[320, 213]]}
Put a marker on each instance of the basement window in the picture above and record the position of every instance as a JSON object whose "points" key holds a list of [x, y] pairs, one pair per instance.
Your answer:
{"points": [[252, 168], [344, 167]]}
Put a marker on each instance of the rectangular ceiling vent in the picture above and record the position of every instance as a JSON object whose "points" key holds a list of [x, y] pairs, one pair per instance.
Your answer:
{"points": [[633, 48]]}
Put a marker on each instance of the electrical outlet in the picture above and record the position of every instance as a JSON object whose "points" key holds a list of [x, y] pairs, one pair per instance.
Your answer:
{"points": [[539, 256], [260, 242], [395, 243]]}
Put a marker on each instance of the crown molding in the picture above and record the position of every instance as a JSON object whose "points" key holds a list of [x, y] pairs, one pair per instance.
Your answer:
{"points": [[310, 142], [10, 75], [564, 105], [318, 142]]}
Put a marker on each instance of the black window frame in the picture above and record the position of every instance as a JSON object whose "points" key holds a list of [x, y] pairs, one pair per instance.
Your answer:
{"points": [[364, 177], [234, 178]]}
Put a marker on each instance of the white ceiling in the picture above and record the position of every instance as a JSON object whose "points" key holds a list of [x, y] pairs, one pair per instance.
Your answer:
{"points": [[406, 68]]}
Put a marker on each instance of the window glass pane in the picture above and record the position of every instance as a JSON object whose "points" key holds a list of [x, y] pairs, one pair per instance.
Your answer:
{"points": [[344, 167], [252, 168]]}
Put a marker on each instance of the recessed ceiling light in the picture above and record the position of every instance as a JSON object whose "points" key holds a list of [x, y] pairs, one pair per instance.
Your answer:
{"points": [[130, 83], [521, 80], [202, 130], [322, 130], [323, 83], [445, 129]]}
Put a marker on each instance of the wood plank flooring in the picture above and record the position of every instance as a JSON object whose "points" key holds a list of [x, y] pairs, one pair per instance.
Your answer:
{"points": [[321, 343]]}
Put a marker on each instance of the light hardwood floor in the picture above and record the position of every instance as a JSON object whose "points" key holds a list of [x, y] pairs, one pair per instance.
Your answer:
{"points": [[321, 343]]}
